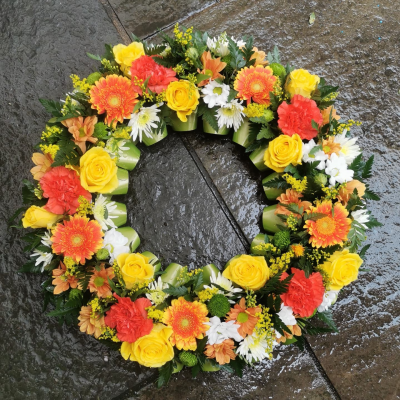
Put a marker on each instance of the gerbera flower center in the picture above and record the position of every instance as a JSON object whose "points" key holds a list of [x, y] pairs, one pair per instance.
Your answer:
{"points": [[114, 100], [77, 240], [185, 323], [326, 225], [99, 281], [242, 317], [256, 86]]}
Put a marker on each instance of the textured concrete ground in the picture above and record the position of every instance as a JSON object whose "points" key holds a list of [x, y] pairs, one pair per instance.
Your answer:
{"points": [[196, 199]]}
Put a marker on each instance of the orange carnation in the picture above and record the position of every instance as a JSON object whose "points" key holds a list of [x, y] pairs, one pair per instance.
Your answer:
{"points": [[291, 196], [113, 95], [255, 84], [245, 317], [187, 320], [82, 130], [212, 67], [329, 230], [78, 238], [61, 281], [222, 352]]}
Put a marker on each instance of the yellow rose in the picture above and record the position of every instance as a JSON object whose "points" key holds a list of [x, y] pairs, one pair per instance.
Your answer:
{"points": [[248, 271], [135, 268], [37, 217], [98, 171], [282, 151], [126, 55], [152, 350], [342, 268], [301, 82], [182, 97]]}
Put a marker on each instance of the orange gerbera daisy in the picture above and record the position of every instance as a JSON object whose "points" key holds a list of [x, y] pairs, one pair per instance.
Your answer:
{"points": [[92, 325], [245, 317], [291, 196], [115, 96], [187, 320], [211, 66], [78, 238], [255, 84], [222, 352], [329, 230], [99, 281], [61, 281]]}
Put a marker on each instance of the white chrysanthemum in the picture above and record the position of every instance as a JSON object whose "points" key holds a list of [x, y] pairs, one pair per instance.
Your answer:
{"points": [[349, 150], [156, 294], [220, 45], [230, 115], [317, 156], [42, 257], [220, 331], [116, 243], [239, 42], [361, 216], [102, 209], [144, 121], [329, 297], [254, 348], [215, 94], [225, 283], [336, 168], [286, 315], [46, 239]]}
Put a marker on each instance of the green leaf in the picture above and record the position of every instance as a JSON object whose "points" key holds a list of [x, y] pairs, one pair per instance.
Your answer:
{"points": [[356, 236], [93, 56], [364, 251], [278, 183], [237, 365], [30, 267], [357, 165], [292, 170], [370, 195], [367, 171], [276, 285], [176, 291], [232, 94], [312, 18], [237, 60], [314, 125], [294, 208], [327, 317], [165, 373], [210, 116], [52, 107], [62, 311], [373, 222], [265, 133], [315, 150], [313, 216], [67, 153], [202, 77]]}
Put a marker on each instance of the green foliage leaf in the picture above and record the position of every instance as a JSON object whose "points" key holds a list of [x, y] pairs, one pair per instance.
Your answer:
{"points": [[176, 291], [356, 236], [93, 56], [265, 133], [364, 251], [237, 365], [232, 94], [315, 125], [327, 318], [237, 60], [370, 195], [210, 116], [294, 208], [274, 57], [202, 77], [67, 153], [276, 285], [52, 107], [165, 373], [278, 183], [313, 216], [30, 267], [373, 222]]}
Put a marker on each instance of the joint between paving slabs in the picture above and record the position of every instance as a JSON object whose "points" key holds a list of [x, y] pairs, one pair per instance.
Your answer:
{"points": [[224, 207]]}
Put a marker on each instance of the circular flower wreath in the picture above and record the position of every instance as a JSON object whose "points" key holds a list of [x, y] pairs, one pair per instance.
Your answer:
{"points": [[202, 319]]}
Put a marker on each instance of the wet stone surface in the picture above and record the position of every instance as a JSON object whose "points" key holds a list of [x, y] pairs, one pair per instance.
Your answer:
{"points": [[144, 18], [44, 42]]}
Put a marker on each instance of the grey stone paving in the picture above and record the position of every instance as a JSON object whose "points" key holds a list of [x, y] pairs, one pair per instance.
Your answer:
{"points": [[44, 42]]}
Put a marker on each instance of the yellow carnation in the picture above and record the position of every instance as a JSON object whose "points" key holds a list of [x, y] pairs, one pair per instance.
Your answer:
{"points": [[248, 271], [152, 350], [342, 268], [98, 171], [126, 55], [135, 268], [37, 217], [282, 151], [301, 82], [182, 97]]}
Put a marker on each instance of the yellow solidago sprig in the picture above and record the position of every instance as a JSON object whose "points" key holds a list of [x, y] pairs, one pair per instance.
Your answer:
{"points": [[331, 193], [264, 324], [207, 294], [154, 314], [123, 132], [110, 67], [85, 208], [51, 149], [297, 184], [80, 85], [317, 256], [280, 264], [183, 38], [51, 134], [96, 307], [118, 274], [254, 110], [142, 286], [251, 299], [292, 222], [346, 126], [70, 266], [109, 333]]}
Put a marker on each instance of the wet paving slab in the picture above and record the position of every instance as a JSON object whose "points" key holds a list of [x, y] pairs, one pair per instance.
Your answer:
{"points": [[44, 42]]}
